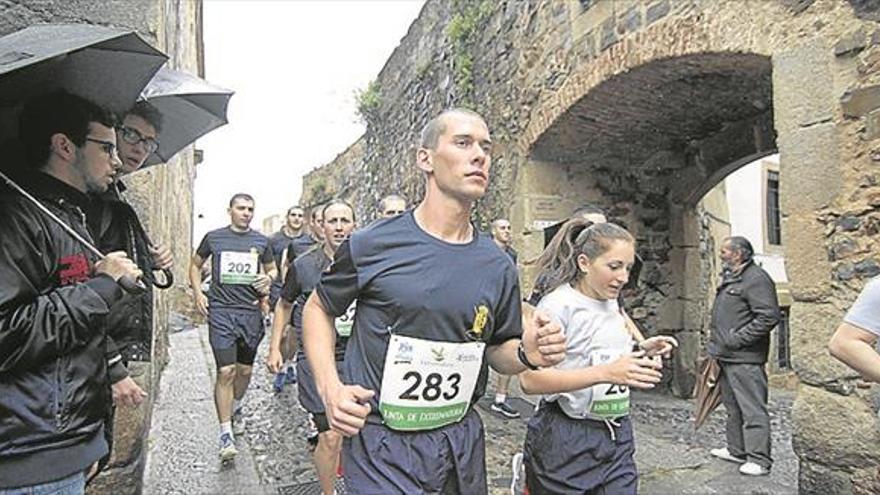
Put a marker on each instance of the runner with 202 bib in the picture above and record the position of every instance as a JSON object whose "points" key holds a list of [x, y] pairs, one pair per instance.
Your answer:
{"points": [[242, 270]]}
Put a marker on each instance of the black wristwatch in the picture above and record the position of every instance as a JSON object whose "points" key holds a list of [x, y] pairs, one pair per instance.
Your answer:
{"points": [[521, 354]]}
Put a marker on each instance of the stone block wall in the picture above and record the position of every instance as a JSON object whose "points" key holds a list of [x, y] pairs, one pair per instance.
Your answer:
{"points": [[642, 106], [162, 194]]}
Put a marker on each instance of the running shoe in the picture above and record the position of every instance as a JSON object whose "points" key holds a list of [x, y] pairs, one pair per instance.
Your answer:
{"points": [[725, 454], [505, 410], [754, 469], [278, 384], [290, 375], [227, 447]]}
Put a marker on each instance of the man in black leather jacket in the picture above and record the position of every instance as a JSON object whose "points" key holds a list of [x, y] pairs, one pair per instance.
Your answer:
{"points": [[743, 314], [54, 294]]}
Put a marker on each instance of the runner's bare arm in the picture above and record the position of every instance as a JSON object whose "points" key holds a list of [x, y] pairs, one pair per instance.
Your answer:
{"points": [[345, 405], [283, 309], [854, 346], [632, 370], [195, 281]]}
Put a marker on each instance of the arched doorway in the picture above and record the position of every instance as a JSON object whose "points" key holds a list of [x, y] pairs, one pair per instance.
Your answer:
{"points": [[646, 145]]}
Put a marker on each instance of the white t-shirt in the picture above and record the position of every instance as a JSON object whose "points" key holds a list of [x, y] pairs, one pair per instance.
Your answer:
{"points": [[590, 325], [865, 312]]}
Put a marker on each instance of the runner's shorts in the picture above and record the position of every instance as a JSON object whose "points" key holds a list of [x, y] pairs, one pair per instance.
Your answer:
{"points": [[448, 460], [565, 455], [235, 335], [309, 398]]}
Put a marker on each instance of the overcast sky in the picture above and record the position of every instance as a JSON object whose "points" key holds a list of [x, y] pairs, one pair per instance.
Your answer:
{"points": [[294, 67]]}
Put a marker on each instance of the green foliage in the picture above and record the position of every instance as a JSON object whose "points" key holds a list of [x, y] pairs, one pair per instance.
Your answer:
{"points": [[318, 190], [462, 31], [368, 101]]}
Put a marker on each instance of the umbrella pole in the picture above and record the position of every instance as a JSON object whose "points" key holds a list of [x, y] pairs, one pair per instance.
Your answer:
{"points": [[131, 286]]}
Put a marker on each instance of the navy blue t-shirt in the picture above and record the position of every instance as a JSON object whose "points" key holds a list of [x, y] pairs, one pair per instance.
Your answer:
{"points": [[410, 283], [301, 279], [300, 245], [236, 257], [279, 241]]}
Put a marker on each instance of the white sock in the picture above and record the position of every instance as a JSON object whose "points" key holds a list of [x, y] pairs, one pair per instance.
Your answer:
{"points": [[226, 428], [499, 398], [236, 404]]}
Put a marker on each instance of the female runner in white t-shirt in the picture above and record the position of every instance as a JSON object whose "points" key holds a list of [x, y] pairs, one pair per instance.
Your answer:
{"points": [[580, 439]]}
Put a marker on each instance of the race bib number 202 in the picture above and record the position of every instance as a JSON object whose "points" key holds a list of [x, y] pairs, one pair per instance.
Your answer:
{"points": [[238, 268], [428, 384]]}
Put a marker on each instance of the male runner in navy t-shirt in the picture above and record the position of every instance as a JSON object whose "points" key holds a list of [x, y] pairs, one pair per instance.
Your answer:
{"points": [[235, 323], [303, 275], [436, 303], [281, 242]]}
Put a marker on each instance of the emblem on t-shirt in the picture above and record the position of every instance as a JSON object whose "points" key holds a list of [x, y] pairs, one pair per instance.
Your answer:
{"points": [[481, 317]]}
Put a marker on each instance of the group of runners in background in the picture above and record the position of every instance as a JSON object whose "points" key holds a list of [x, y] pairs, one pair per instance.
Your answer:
{"points": [[394, 327]]}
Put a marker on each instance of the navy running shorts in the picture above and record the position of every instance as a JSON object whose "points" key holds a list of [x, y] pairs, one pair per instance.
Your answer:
{"points": [[448, 460], [235, 335], [565, 455]]}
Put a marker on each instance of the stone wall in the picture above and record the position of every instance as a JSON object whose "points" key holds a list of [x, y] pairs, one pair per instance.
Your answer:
{"points": [[642, 107], [173, 26]]}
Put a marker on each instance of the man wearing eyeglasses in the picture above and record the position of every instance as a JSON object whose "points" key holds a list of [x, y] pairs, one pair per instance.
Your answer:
{"points": [[54, 296], [115, 226]]}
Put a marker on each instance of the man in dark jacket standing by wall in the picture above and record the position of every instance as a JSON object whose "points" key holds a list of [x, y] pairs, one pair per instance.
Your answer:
{"points": [[54, 394], [744, 313]]}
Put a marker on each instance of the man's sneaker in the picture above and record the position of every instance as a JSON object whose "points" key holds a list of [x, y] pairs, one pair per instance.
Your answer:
{"points": [[752, 469], [290, 375], [278, 384], [505, 410], [724, 454], [227, 447]]}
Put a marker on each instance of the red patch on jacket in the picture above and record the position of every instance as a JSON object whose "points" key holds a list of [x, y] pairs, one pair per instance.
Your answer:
{"points": [[75, 269]]}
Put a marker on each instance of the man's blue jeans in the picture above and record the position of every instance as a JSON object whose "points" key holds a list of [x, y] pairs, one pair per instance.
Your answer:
{"points": [[75, 484]]}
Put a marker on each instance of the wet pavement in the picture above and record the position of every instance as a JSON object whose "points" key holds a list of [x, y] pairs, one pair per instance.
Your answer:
{"points": [[274, 457]]}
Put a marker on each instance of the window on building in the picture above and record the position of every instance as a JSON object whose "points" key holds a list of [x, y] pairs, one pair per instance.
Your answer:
{"points": [[774, 225], [783, 349]]}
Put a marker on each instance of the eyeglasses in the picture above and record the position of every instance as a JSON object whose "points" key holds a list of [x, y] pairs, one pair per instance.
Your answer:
{"points": [[133, 136], [107, 146]]}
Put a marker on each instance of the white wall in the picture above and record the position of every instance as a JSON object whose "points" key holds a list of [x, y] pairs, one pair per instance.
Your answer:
{"points": [[746, 205]]}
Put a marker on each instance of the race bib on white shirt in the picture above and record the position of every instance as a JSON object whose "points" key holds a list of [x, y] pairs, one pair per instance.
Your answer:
{"points": [[238, 268], [345, 322], [428, 384], [608, 401]]}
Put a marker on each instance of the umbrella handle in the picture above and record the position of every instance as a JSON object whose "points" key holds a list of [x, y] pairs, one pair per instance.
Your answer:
{"points": [[169, 279]]}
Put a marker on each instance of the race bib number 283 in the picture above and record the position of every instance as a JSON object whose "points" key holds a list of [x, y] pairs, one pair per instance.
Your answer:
{"points": [[428, 384]]}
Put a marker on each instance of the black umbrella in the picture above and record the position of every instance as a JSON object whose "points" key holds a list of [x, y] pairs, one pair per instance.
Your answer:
{"points": [[190, 107], [108, 66]]}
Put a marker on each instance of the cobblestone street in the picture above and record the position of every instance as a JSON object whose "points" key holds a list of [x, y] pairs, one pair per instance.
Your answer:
{"points": [[274, 458]]}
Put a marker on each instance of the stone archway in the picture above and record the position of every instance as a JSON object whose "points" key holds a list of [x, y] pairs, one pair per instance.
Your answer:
{"points": [[645, 145], [580, 145]]}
